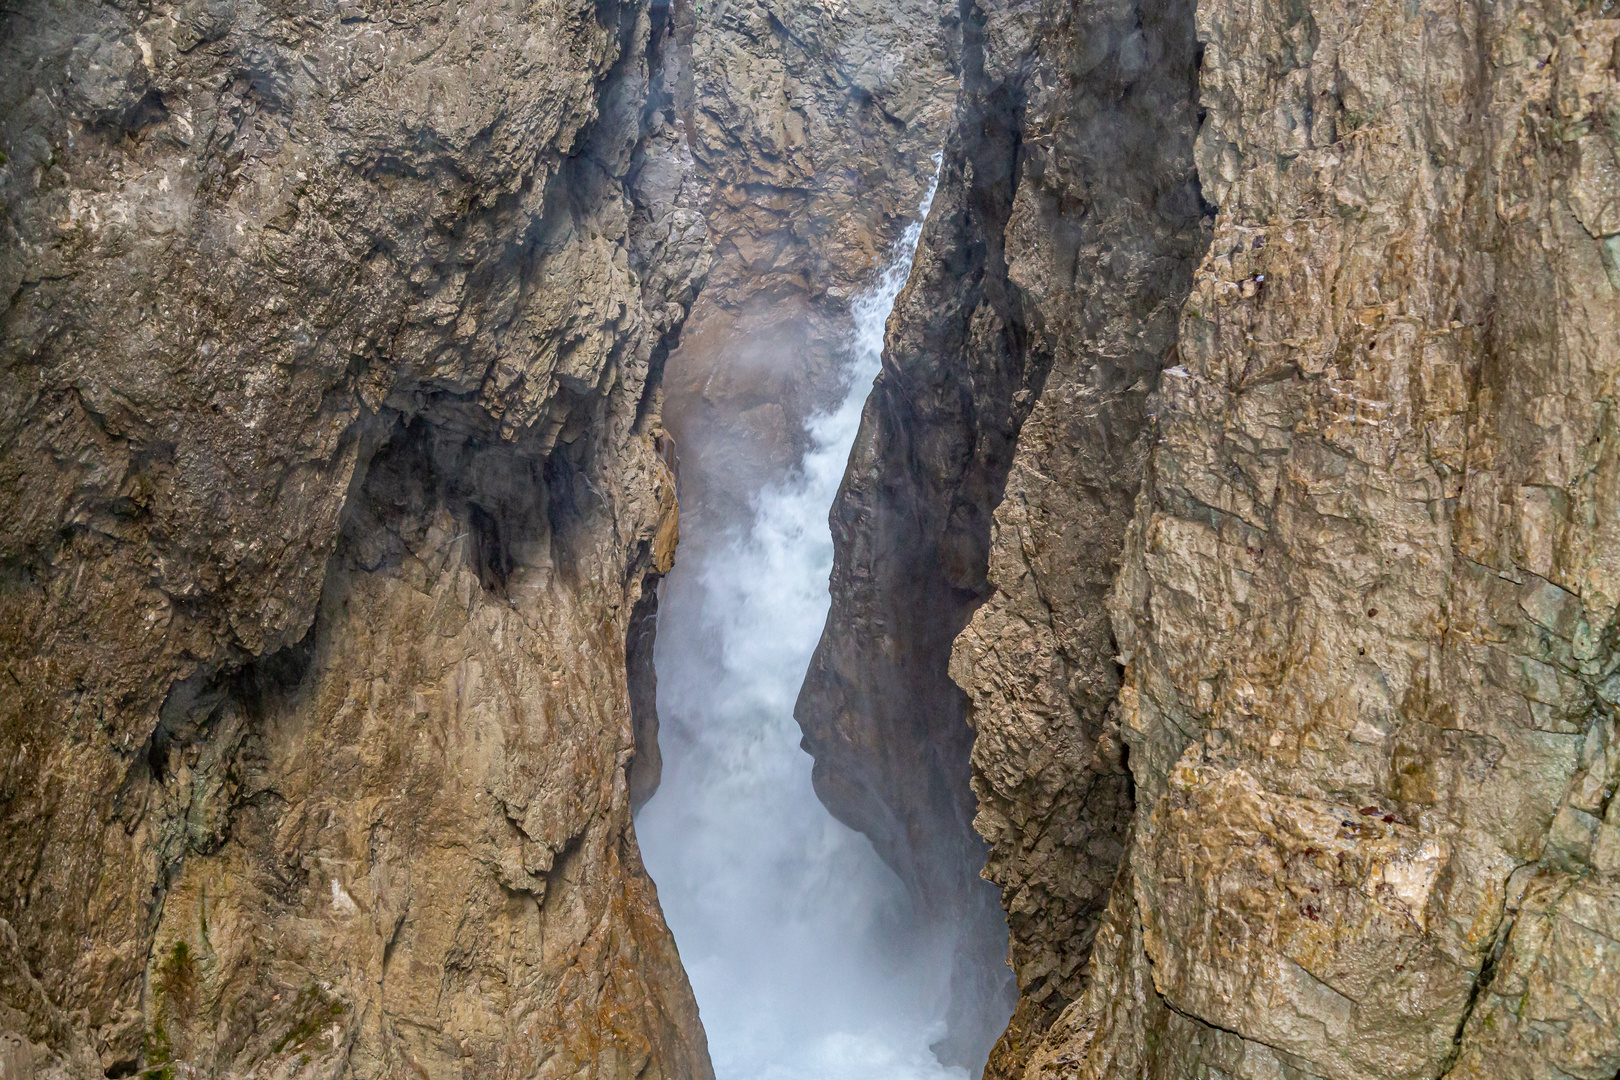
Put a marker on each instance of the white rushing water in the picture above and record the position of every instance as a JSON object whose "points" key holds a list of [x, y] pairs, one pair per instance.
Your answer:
{"points": [[804, 957]]}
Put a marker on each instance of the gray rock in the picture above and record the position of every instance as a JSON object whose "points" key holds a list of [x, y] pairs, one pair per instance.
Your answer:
{"points": [[1061, 243]]}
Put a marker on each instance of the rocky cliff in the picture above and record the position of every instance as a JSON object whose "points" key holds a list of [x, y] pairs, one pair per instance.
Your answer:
{"points": [[1044, 302], [332, 440], [1292, 638], [1367, 609], [813, 131], [330, 456], [1226, 563]]}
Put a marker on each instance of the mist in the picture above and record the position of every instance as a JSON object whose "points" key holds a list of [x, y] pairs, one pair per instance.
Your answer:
{"points": [[806, 958]]}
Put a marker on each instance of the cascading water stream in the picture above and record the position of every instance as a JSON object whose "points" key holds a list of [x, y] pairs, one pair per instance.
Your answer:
{"points": [[805, 959]]}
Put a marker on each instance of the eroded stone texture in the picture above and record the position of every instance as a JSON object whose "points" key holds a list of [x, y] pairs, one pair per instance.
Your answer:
{"points": [[1364, 604], [337, 317], [813, 128], [1061, 243], [1103, 236], [1367, 607], [428, 862], [879, 714]]}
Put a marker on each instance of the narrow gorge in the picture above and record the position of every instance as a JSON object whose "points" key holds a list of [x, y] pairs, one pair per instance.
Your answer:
{"points": [[840, 540]]}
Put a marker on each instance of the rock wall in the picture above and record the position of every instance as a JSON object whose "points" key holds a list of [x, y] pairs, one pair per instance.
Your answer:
{"points": [[1293, 637], [330, 452], [1044, 302], [1103, 236], [813, 127], [1231, 528], [879, 716], [1367, 610]]}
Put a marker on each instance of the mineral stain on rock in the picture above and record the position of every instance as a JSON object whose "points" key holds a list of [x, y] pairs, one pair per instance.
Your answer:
{"points": [[1225, 564]]}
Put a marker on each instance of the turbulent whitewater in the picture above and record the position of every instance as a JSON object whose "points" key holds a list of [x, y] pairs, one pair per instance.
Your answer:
{"points": [[805, 958]]}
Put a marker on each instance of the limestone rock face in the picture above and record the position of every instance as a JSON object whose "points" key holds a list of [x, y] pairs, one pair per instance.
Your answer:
{"points": [[332, 481], [1061, 244], [1367, 609], [1329, 790]]}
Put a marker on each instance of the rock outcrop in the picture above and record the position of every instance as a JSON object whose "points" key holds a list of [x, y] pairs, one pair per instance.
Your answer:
{"points": [[1293, 660], [1367, 610], [1044, 301], [329, 452]]}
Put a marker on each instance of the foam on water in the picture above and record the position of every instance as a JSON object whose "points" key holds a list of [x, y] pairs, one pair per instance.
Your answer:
{"points": [[805, 959]]}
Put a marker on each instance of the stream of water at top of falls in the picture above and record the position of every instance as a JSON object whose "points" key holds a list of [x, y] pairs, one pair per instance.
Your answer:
{"points": [[804, 956]]}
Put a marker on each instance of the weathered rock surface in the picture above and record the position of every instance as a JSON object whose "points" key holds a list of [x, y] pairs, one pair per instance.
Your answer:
{"points": [[331, 476], [813, 128], [1359, 759], [1270, 555], [1061, 243], [881, 718], [1102, 239], [1368, 607]]}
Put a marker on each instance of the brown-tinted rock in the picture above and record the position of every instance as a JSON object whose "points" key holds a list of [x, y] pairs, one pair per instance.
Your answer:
{"points": [[331, 483], [1061, 243], [1364, 602], [1102, 238], [1365, 608]]}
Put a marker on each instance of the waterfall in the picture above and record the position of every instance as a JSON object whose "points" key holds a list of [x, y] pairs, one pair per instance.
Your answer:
{"points": [[805, 959]]}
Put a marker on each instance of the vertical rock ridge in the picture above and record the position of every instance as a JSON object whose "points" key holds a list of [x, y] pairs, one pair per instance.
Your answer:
{"points": [[1061, 244], [880, 716], [1106, 229], [915, 514], [1363, 797]]}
